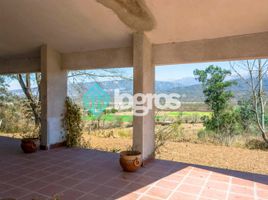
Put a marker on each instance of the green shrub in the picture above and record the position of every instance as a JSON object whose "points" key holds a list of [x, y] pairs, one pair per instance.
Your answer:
{"points": [[256, 144], [164, 134], [113, 110], [246, 114], [206, 135], [72, 123]]}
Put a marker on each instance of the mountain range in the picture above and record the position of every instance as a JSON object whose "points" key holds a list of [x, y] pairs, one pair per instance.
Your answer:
{"points": [[189, 88]]}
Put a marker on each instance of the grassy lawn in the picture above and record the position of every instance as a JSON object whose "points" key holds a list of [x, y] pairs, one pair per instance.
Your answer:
{"points": [[111, 118], [160, 116], [188, 113]]}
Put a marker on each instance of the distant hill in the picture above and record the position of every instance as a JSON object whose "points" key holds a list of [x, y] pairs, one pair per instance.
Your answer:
{"points": [[189, 88]]}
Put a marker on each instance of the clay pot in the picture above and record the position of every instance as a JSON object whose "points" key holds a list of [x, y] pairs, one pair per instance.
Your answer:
{"points": [[130, 161], [30, 145]]}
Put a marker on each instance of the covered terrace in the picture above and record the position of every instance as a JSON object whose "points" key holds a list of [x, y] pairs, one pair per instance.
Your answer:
{"points": [[54, 36]]}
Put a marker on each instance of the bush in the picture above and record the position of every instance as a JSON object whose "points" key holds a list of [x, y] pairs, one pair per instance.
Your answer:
{"points": [[72, 123], [246, 114], [205, 135], [164, 134], [113, 110], [256, 144], [225, 126]]}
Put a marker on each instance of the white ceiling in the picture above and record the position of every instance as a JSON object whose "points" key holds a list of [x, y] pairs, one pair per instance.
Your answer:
{"points": [[185, 20], [80, 25]]}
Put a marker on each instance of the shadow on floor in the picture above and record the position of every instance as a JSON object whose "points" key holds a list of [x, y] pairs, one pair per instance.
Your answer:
{"points": [[73, 173]]}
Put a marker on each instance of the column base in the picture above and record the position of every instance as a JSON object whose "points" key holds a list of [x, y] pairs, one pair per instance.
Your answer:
{"points": [[148, 160], [53, 146]]}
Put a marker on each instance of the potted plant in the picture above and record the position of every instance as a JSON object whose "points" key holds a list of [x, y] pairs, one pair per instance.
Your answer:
{"points": [[30, 142], [130, 160]]}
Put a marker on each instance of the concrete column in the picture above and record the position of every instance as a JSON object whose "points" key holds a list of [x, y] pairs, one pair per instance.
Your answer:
{"points": [[53, 94], [144, 79]]}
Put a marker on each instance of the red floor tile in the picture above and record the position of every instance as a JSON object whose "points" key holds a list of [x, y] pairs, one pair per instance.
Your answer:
{"points": [[104, 191], [35, 185], [263, 194], [219, 177], [167, 184], [136, 187], [214, 194], [159, 192], [15, 193], [117, 183], [34, 196], [68, 182], [194, 181], [90, 197], [51, 189], [262, 186], [182, 196], [243, 182], [217, 185], [71, 194], [86, 186], [191, 189], [240, 197], [80, 174], [174, 177], [5, 187], [148, 198], [123, 195], [238, 189]]}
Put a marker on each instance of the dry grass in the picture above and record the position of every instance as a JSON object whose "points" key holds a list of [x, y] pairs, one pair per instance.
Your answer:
{"points": [[195, 152], [255, 161]]}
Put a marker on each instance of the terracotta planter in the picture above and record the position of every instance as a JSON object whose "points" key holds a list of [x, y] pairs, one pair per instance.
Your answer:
{"points": [[130, 161], [30, 145]]}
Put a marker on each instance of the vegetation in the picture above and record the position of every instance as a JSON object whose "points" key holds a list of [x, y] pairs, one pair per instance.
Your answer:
{"points": [[224, 121], [14, 115], [72, 123], [256, 70], [163, 134], [220, 120]]}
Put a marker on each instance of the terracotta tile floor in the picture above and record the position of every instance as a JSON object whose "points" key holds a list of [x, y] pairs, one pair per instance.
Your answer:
{"points": [[83, 174]]}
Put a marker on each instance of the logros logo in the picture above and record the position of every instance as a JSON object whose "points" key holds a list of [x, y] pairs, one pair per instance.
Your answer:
{"points": [[96, 100], [143, 103]]}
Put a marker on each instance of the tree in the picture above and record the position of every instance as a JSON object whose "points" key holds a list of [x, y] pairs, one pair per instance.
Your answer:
{"points": [[252, 73], [3, 89], [217, 98], [246, 115], [31, 85], [33, 97], [4, 100]]}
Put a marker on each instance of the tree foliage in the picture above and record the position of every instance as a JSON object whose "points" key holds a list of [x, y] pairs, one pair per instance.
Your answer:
{"points": [[3, 89], [244, 110], [215, 87], [255, 71], [223, 120]]}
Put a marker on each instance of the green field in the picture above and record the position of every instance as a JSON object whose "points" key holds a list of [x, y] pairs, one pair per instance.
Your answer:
{"points": [[159, 116]]}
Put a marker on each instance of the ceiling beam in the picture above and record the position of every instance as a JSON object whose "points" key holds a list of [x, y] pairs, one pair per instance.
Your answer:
{"points": [[241, 47], [19, 65], [249, 46], [104, 58]]}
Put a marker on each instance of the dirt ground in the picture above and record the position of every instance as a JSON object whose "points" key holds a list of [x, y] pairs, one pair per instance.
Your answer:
{"points": [[255, 161]]}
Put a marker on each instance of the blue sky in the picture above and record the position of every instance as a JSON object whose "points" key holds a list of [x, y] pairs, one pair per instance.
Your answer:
{"points": [[175, 72], [162, 73]]}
